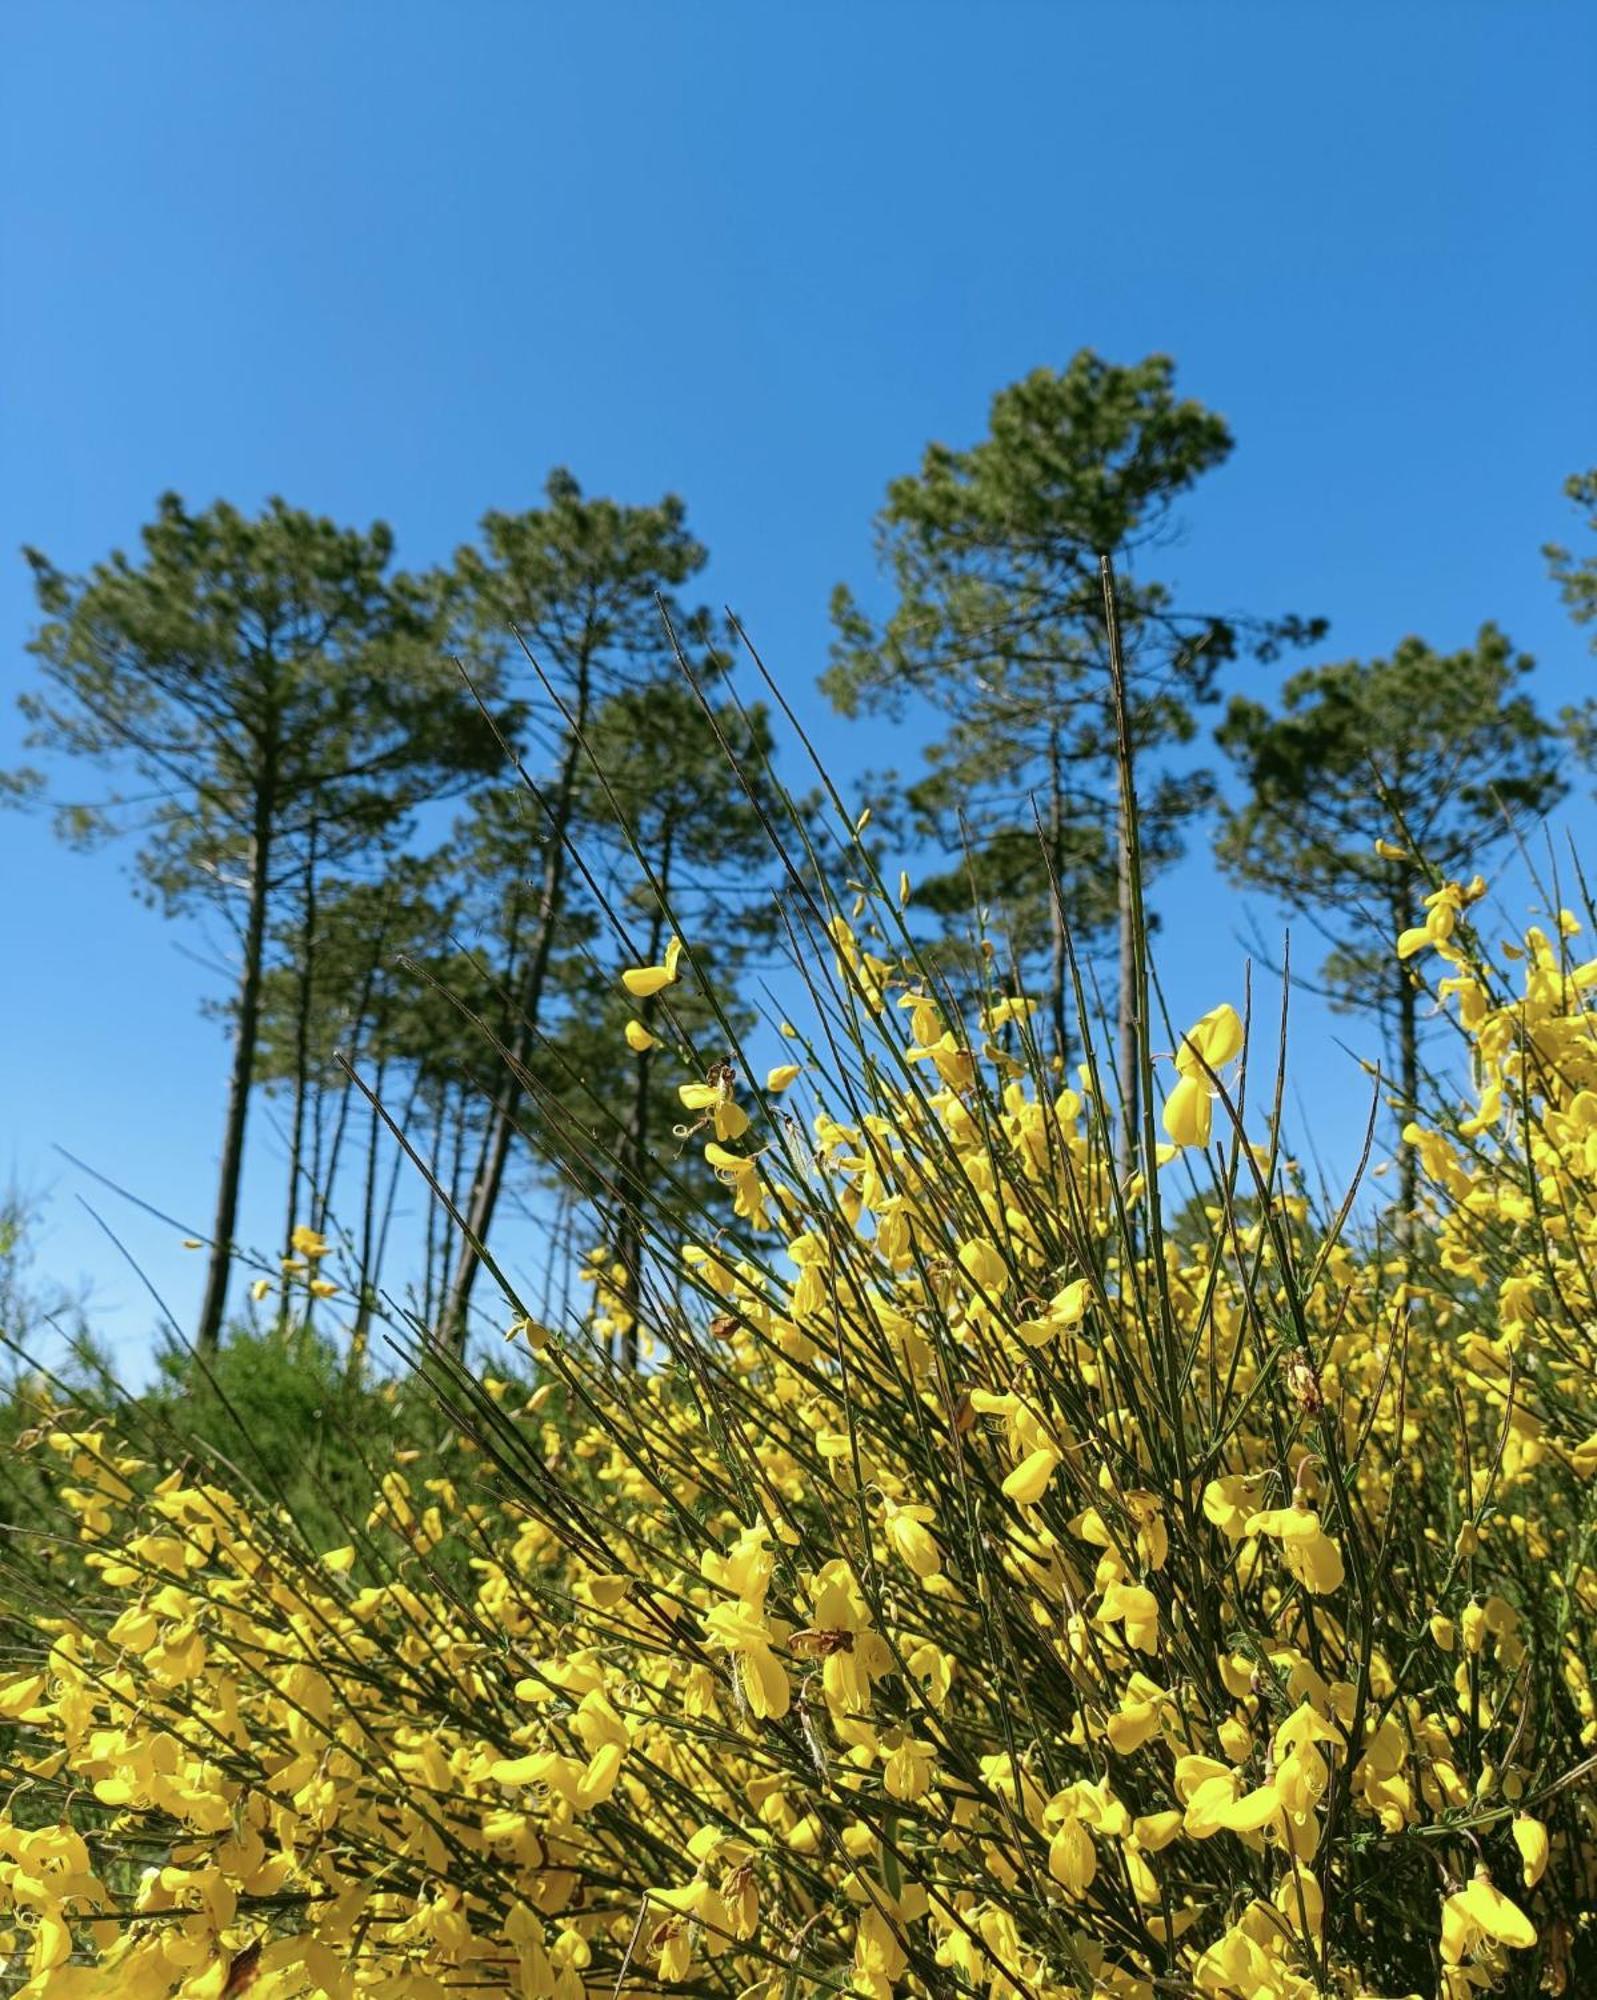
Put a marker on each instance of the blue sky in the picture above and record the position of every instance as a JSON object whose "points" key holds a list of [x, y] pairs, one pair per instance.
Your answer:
{"points": [[399, 260]]}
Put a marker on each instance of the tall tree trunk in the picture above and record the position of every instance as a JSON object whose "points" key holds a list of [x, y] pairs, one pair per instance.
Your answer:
{"points": [[328, 1152], [501, 1128], [302, 1038], [629, 1232], [208, 1335], [1127, 1024], [1408, 1068], [635, 1146], [1056, 909], [1131, 998], [430, 1225], [390, 1203], [368, 1226]]}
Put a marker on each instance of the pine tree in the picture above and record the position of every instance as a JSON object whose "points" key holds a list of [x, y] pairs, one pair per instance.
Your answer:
{"points": [[270, 699], [992, 554], [1438, 757], [571, 601]]}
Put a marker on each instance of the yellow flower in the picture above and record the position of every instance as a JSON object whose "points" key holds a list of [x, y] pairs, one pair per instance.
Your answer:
{"points": [[1205, 1048], [1307, 1551], [639, 1039], [911, 1540], [643, 981], [1530, 1837], [1136, 1610], [984, 1264], [908, 1768], [1211, 1043], [1227, 1503], [730, 1120], [1482, 1910]]}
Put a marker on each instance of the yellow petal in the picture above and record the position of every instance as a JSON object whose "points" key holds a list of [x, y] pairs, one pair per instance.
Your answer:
{"points": [[1317, 1562], [764, 1682], [780, 1077], [52, 1944], [1130, 1727], [1530, 1837], [518, 1770], [598, 1781], [1497, 1915], [1210, 1042], [643, 981], [731, 1120], [1029, 1481], [1072, 1858], [639, 1038], [1189, 1112], [1156, 1830], [1251, 1811], [1214, 1797], [1225, 1504]]}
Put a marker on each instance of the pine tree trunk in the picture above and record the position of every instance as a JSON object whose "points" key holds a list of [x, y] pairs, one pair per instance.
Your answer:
{"points": [[635, 1151], [390, 1202], [430, 1225], [1056, 911], [629, 1233], [1126, 1002], [302, 1037], [501, 1129], [1408, 1065], [208, 1335], [1131, 998], [367, 1282], [325, 1157]]}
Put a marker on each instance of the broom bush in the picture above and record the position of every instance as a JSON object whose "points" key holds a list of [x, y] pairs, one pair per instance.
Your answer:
{"points": [[982, 1588]]}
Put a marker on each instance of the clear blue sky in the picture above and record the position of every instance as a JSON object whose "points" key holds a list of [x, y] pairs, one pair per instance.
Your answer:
{"points": [[398, 260]]}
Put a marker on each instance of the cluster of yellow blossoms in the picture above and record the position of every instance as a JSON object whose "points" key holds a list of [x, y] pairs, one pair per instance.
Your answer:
{"points": [[1011, 1577]]}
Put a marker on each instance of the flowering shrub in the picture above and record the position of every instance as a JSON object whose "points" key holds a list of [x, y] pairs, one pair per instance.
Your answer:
{"points": [[986, 1588]]}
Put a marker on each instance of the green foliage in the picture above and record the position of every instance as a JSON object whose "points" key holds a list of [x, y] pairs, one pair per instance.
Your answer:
{"points": [[616, 762], [269, 700], [280, 1412], [991, 554], [673, 843], [1448, 749], [1576, 576], [257, 677], [29, 1312], [303, 1426]]}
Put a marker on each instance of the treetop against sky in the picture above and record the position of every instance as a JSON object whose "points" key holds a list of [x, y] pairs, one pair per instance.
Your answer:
{"points": [[394, 271]]}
